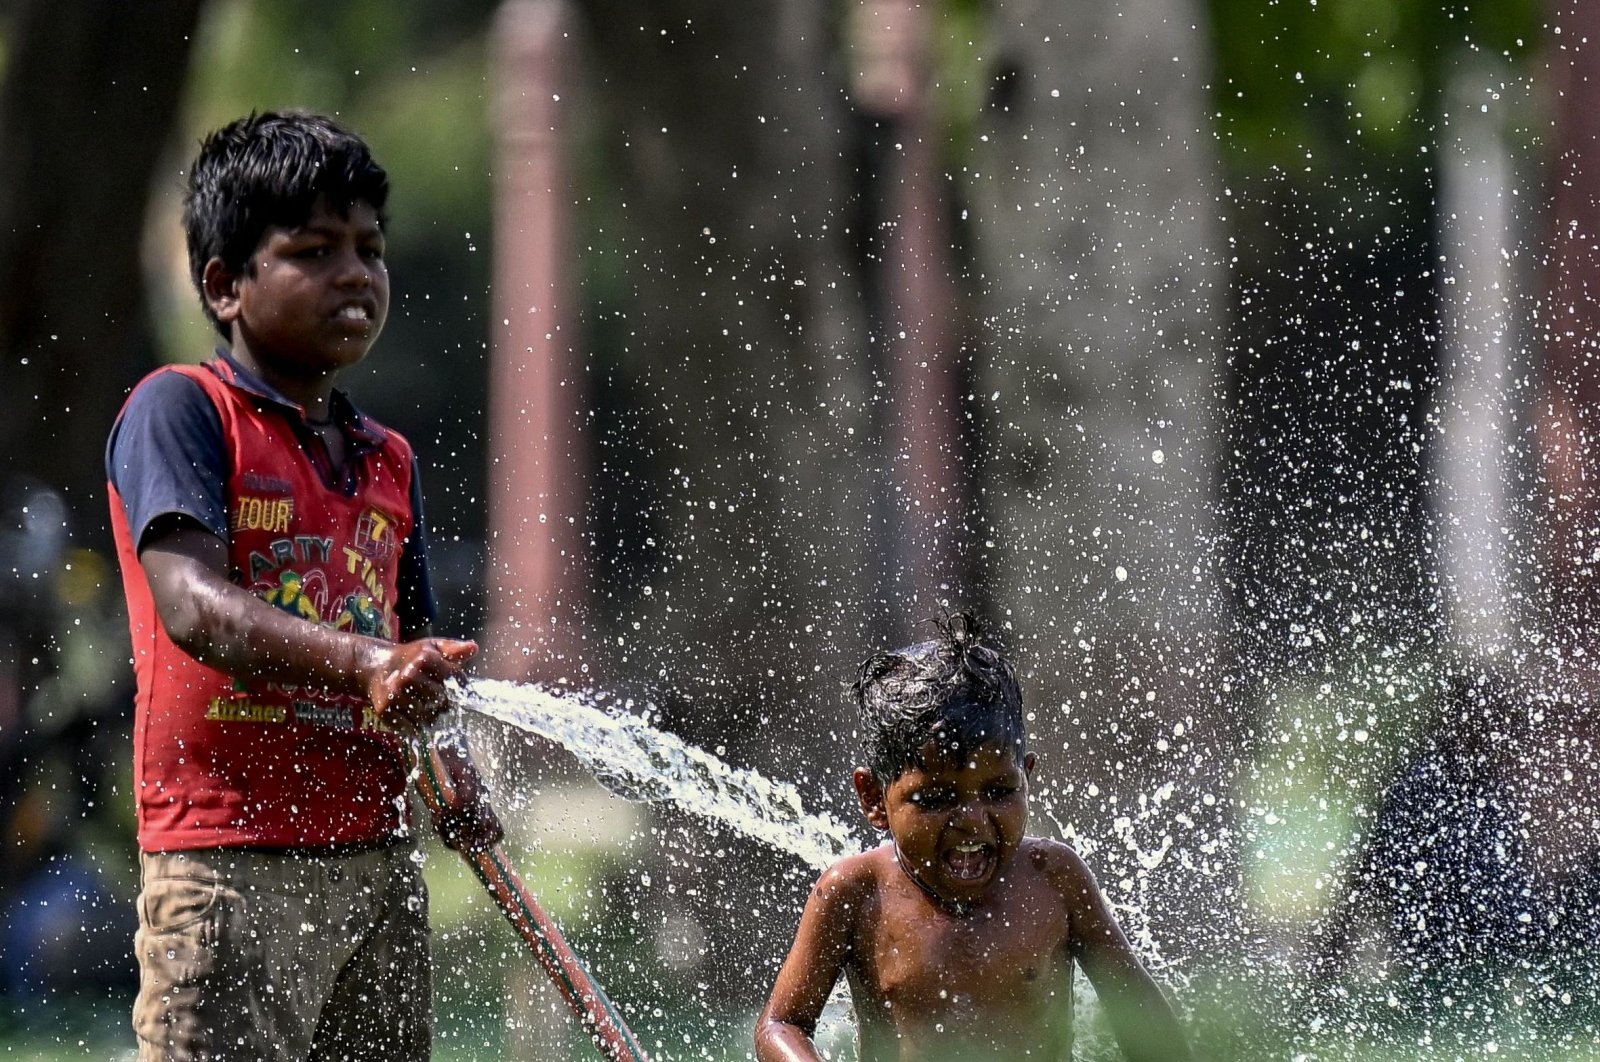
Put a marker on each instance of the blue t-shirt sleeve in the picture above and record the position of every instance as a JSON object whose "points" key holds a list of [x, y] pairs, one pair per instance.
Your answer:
{"points": [[416, 606], [166, 456]]}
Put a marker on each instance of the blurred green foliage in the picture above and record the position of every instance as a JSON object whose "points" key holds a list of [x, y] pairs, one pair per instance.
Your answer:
{"points": [[1327, 745], [1333, 86]]}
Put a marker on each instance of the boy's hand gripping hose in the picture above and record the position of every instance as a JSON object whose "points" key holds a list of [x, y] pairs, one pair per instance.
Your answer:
{"points": [[453, 792]]}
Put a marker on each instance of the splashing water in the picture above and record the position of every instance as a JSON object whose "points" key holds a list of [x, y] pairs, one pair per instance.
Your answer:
{"points": [[638, 762]]}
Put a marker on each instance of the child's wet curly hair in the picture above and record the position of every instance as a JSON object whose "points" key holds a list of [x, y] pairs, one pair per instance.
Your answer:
{"points": [[959, 689]]}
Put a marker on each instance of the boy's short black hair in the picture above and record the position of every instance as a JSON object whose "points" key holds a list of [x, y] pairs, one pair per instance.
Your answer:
{"points": [[959, 689], [269, 169]]}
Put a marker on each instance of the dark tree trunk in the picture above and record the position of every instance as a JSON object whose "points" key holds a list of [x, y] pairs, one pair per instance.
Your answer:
{"points": [[90, 91], [730, 426]]}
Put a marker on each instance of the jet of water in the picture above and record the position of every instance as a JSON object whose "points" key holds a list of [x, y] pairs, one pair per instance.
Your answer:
{"points": [[638, 762]]}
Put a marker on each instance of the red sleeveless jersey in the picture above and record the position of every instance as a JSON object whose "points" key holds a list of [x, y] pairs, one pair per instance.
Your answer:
{"points": [[253, 762]]}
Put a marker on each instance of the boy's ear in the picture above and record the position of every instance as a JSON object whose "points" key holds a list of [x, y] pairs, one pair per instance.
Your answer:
{"points": [[1028, 762], [220, 286], [870, 791]]}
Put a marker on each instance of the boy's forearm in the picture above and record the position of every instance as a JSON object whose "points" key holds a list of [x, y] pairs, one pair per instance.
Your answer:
{"points": [[782, 1041], [234, 631], [259, 639], [1146, 1027], [1156, 1039], [231, 629]]}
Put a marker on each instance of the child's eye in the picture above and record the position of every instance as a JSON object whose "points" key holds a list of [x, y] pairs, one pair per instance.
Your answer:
{"points": [[926, 798], [1002, 792]]}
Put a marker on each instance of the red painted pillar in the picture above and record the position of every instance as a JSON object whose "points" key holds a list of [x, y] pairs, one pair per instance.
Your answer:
{"points": [[927, 379], [537, 468], [1568, 413], [1565, 667], [893, 82]]}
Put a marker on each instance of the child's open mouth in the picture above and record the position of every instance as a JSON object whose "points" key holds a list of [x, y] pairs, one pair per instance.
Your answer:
{"points": [[968, 861]]}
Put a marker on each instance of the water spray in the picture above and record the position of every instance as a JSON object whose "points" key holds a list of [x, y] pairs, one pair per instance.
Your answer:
{"points": [[636, 761]]}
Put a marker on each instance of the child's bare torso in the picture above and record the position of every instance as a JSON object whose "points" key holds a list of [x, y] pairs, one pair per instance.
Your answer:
{"points": [[993, 983]]}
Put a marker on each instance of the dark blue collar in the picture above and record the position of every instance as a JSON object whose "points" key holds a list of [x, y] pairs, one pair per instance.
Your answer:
{"points": [[361, 429]]}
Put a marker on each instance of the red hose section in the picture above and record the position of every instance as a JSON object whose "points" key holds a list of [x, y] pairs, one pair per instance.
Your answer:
{"points": [[588, 1002]]}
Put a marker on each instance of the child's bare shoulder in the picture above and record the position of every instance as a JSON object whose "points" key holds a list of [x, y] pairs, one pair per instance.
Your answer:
{"points": [[1061, 865], [842, 901], [852, 879]]}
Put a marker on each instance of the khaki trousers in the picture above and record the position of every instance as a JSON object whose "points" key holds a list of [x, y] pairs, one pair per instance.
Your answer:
{"points": [[259, 956]]}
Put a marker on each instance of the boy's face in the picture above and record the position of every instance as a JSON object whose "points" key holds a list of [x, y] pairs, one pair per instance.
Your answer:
{"points": [[958, 819], [313, 297]]}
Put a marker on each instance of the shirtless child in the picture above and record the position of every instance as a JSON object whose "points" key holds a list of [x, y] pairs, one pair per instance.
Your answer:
{"points": [[958, 936]]}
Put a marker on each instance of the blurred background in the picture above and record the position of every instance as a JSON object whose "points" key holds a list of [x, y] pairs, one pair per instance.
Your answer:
{"points": [[1232, 357]]}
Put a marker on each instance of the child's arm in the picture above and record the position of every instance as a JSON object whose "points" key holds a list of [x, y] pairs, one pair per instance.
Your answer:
{"points": [[227, 627], [1141, 1018], [821, 948]]}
